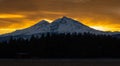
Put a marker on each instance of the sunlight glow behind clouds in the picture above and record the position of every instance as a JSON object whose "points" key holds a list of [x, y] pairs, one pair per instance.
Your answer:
{"points": [[52, 12], [3, 31], [24, 13], [11, 16]]}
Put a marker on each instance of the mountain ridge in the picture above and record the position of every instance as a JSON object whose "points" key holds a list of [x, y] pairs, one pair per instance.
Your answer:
{"points": [[60, 25]]}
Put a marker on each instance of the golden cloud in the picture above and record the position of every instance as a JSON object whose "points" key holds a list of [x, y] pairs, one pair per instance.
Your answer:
{"points": [[3, 31], [11, 16], [99, 14], [52, 12]]}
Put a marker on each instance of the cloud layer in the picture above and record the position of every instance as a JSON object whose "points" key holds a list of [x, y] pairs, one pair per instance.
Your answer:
{"points": [[90, 12]]}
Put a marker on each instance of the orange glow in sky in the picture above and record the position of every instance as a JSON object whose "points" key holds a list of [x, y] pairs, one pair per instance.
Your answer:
{"points": [[3, 31], [102, 28], [25, 24], [50, 21], [11, 16], [99, 14]]}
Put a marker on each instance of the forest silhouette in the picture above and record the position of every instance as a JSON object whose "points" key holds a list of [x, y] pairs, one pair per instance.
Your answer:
{"points": [[56, 46]]}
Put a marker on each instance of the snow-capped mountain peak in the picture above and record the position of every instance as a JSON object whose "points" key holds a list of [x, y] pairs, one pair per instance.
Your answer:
{"points": [[30, 30], [69, 25], [61, 25], [41, 23]]}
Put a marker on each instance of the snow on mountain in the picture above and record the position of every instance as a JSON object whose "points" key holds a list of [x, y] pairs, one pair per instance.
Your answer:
{"points": [[68, 25], [61, 25], [37, 28]]}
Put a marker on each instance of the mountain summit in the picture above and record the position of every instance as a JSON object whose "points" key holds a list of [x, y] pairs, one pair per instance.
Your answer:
{"points": [[37, 28], [68, 25], [61, 25]]}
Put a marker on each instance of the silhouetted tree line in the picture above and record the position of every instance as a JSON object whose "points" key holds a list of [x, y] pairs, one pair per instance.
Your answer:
{"points": [[62, 46]]}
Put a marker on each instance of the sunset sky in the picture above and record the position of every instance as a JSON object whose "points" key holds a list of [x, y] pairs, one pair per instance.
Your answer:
{"points": [[100, 14]]}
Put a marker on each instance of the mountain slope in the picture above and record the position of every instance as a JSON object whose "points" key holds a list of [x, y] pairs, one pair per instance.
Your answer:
{"points": [[68, 25], [61, 25], [37, 28]]}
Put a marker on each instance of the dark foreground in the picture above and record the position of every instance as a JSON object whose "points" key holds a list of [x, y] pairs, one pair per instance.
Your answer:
{"points": [[62, 62], [61, 46]]}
